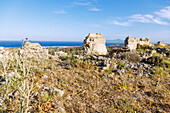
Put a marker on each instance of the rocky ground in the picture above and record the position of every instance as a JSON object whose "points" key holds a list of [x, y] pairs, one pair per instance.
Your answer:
{"points": [[65, 80]]}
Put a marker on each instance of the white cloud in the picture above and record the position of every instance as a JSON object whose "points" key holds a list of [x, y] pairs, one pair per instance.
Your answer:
{"points": [[119, 23], [164, 13], [159, 21], [82, 3], [141, 18], [94, 9], [61, 11], [148, 18]]}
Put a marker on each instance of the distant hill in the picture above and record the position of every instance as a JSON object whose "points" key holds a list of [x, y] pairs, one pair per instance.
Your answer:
{"points": [[115, 41]]}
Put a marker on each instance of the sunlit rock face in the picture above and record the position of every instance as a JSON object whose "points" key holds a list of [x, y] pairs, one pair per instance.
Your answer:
{"points": [[94, 44], [161, 43], [34, 50], [132, 43], [32, 45]]}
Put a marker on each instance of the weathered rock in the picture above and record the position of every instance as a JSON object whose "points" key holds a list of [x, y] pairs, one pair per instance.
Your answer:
{"points": [[95, 44], [34, 50], [132, 43], [161, 43], [60, 53], [32, 45]]}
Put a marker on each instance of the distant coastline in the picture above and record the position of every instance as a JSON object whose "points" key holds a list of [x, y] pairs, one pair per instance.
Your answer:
{"points": [[51, 43]]}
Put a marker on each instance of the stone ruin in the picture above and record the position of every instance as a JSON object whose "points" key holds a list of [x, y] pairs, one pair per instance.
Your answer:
{"points": [[132, 43], [95, 44], [161, 43], [34, 50]]}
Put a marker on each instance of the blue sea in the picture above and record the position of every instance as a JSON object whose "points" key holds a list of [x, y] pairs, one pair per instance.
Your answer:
{"points": [[47, 43]]}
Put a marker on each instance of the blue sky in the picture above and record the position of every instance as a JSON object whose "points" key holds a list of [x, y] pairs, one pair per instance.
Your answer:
{"points": [[72, 20]]}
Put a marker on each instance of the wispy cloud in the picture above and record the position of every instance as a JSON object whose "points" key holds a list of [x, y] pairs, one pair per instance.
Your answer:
{"points": [[119, 23], [164, 13], [141, 18], [90, 4], [61, 11], [147, 18], [82, 3], [94, 9]]}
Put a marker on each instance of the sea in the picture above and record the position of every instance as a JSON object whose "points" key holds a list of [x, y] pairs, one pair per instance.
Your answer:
{"points": [[48, 43]]}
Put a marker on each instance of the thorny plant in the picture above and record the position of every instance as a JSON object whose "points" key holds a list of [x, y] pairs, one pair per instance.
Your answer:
{"points": [[22, 79]]}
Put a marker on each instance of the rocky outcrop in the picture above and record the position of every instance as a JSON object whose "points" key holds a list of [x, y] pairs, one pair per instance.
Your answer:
{"points": [[132, 43], [161, 43], [34, 50], [32, 45], [95, 44]]}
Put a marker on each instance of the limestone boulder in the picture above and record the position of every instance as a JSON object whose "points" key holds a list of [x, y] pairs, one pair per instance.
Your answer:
{"points": [[94, 43], [34, 50], [32, 45]]}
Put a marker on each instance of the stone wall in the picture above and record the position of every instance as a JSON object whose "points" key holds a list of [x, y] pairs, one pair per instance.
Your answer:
{"points": [[95, 44], [132, 43]]}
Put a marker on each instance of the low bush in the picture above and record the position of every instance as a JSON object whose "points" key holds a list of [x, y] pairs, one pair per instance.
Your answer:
{"points": [[160, 71], [65, 58], [156, 60], [167, 53], [166, 63], [131, 57], [157, 54]]}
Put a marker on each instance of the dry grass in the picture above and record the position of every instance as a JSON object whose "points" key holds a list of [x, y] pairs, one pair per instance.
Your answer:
{"points": [[41, 83]]}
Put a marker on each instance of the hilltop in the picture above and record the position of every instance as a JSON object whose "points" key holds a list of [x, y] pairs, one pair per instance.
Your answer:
{"points": [[132, 78]]}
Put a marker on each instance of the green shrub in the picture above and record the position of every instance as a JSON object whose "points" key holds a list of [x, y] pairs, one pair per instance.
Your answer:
{"points": [[122, 66], [166, 63], [65, 58], [157, 61], [167, 53], [140, 50], [108, 70], [157, 54], [160, 71]]}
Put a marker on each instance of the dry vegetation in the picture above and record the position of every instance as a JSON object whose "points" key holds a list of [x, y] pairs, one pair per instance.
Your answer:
{"points": [[67, 84]]}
